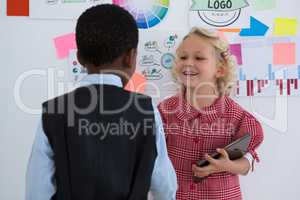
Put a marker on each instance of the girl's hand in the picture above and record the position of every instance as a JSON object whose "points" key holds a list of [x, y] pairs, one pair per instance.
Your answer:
{"points": [[216, 165], [223, 164]]}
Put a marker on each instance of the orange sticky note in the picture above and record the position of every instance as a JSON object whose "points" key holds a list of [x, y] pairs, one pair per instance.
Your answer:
{"points": [[17, 7], [64, 44], [230, 30], [284, 53], [136, 83]]}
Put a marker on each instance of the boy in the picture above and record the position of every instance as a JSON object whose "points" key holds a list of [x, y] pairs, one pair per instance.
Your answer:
{"points": [[100, 141]]}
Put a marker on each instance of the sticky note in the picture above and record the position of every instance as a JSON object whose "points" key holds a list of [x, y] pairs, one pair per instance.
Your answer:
{"points": [[136, 83], [230, 30], [64, 44], [284, 53], [260, 5], [17, 7], [285, 27], [236, 50]]}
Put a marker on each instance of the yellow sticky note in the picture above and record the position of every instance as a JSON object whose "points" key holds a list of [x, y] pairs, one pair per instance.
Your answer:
{"points": [[136, 83], [285, 27]]}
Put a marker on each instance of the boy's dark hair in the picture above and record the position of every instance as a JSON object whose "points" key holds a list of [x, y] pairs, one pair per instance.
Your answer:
{"points": [[105, 32]]}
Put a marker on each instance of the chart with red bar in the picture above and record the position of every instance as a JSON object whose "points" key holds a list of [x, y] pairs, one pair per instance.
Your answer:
{"points": [[279, 82], [278, 87]]}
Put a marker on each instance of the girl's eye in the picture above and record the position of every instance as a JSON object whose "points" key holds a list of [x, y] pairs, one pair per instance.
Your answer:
{"points": [[183, 57], [200, 58]]}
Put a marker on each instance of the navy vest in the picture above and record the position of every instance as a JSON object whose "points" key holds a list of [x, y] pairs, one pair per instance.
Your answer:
{"points": [[103, 139]]}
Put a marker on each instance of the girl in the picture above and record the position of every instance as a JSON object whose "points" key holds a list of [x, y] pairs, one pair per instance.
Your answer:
{"points": [[203, 118]]}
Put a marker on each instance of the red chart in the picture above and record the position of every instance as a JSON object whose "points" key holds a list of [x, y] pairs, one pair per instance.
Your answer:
{"points": [[278, 87]]}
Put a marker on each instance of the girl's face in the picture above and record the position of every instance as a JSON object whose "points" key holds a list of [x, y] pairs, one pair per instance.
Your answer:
{"points": [[196, 63]]}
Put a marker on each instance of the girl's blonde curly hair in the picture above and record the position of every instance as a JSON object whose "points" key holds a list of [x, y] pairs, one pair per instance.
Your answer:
{"points": [[226, 60]]}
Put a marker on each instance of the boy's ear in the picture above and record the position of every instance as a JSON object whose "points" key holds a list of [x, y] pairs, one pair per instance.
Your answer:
{"points": [[80, 60], [129, 59]]}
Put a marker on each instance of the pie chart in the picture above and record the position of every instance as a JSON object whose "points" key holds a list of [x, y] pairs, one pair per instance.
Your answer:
{"points": [[147, 13]]}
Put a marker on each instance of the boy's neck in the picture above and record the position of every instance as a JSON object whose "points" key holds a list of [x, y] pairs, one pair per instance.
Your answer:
{"points": [[111, 69]]}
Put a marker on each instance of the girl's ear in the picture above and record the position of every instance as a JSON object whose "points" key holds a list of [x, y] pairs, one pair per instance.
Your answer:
{"points": [[221, 71]]}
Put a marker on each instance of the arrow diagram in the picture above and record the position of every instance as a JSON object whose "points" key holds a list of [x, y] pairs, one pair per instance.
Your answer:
{"points": [[257, 28]]}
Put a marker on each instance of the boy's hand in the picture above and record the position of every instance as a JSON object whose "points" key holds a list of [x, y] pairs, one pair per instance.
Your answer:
{"points": [[216, 165]]}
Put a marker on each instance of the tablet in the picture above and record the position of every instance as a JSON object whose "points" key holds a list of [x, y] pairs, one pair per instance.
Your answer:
{"points": [[235, 150]]}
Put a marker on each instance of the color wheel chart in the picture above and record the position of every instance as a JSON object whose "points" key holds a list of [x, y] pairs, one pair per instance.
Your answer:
{"points": [[147, 13]]}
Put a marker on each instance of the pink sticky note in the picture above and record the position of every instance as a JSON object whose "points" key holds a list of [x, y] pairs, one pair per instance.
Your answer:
{"points": [[284, 53], [64, 44], [136, 83], [236, 50]]}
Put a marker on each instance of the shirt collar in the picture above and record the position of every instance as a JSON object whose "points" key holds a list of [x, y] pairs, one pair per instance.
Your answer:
{"points": [[101, 79], [208, 113]]}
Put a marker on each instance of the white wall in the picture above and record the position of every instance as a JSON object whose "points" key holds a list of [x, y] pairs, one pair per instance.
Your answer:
{"points": [[26, 44]]}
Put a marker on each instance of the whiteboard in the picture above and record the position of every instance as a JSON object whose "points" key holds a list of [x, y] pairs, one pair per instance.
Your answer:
{"points": [[32, 73]]}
